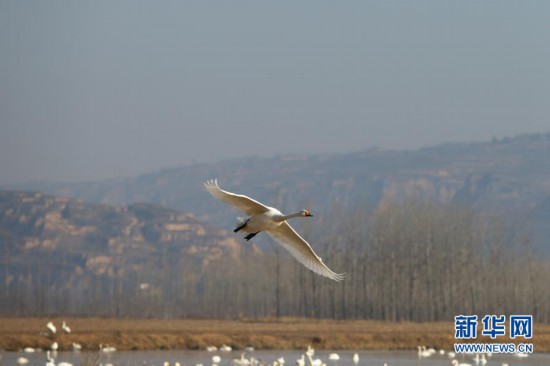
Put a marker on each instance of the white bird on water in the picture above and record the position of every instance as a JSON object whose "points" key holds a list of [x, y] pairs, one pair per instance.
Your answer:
{"points": [[274, 223]]}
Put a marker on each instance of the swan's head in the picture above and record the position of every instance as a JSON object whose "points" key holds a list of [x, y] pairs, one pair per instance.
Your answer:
{"points": [[306, 213]]}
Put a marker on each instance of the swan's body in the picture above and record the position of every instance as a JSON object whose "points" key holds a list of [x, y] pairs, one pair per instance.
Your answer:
{"points": [[51, 327], [106, 348], [225, 348], [314, 362], [273, 222]]}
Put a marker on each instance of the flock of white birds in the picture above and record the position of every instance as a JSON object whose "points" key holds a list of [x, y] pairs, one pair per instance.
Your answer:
{"points": [[307, 358], [51, 353]]}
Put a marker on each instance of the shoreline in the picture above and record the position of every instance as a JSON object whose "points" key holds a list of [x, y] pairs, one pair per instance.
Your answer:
{"points": [[262, 334]]}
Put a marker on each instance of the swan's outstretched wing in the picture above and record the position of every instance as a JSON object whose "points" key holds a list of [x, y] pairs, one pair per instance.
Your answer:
{"points": [[301, 250], [240, 202]]}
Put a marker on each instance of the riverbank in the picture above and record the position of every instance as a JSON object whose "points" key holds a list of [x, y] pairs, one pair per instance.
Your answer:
{"points": [[144, 334]]}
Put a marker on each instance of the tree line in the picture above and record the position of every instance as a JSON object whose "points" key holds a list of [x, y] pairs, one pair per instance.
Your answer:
{"points": [[404, 261]]}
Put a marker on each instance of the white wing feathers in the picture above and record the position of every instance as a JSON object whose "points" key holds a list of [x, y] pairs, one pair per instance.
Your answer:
{"points": [[302, 251], [240, 202]]}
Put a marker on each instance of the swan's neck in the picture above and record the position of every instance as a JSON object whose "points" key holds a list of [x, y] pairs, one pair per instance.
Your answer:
{"points": [[286, 217]]}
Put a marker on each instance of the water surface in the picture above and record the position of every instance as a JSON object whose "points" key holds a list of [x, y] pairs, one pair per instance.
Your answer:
{"points": [[193, 358]]}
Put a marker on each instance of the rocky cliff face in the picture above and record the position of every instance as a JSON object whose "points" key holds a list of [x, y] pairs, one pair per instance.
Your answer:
{"points": [[101, 239]]}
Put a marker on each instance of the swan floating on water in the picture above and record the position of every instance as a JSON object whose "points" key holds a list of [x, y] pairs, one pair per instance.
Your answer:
{"points": [[274, 223]]}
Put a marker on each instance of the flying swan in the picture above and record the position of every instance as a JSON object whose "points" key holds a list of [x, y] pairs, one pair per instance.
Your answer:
{"points": [[273, 222]]}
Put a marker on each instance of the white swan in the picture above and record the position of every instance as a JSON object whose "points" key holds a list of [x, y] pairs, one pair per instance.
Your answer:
{"points": [[106, 348], [51, 327], [65, 327], [273, 222], [423, 352], [355, 358], [225, 348], [314, 362], [50, 359]]}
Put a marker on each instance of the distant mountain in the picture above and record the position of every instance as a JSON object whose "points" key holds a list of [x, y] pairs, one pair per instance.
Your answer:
{"points": [[58, 224], [50, 245], [509, 175]]}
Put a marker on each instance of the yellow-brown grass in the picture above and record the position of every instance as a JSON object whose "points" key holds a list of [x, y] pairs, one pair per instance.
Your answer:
{"points": [[140, 334]]}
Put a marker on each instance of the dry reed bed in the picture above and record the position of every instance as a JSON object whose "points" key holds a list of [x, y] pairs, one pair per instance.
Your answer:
{"points": [[140, 334]]}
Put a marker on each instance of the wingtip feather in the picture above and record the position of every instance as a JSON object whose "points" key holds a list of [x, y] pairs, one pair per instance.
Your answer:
{"points": [[211, 183]]}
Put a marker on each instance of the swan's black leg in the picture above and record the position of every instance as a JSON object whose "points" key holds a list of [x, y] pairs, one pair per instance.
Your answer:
{"points": [[250, 236], [240, 227]]}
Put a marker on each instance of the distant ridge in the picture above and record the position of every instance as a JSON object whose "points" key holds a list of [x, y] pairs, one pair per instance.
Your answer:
{"points": [[512, 171], [504, 175]]}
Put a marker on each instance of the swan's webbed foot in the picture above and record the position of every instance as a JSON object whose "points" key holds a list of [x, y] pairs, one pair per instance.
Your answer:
{"points": [[250, 236]]}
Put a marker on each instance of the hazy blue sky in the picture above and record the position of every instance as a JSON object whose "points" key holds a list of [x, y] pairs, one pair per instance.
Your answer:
{"points": [[97, 89]]}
